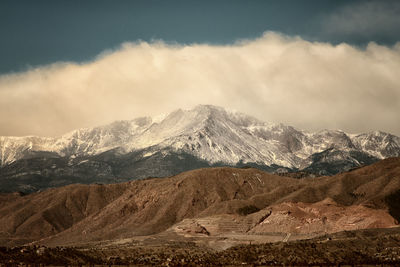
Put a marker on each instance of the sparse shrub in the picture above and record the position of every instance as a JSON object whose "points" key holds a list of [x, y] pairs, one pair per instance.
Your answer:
{"points": [[246, 210]]}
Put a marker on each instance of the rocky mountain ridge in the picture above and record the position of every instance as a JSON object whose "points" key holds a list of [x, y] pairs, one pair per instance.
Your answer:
{"points": [[222, 200], [183, 140], [208, 132]]}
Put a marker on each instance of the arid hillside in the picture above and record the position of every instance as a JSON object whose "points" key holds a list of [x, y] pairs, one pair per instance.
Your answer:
{"points": [[258, 202]]}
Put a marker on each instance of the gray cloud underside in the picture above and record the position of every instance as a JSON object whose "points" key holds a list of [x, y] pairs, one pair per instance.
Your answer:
{"points": [[275, 78], [364, 20]]}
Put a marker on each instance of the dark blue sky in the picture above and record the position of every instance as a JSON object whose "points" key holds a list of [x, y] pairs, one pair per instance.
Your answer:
{"points": [[35, 33]]}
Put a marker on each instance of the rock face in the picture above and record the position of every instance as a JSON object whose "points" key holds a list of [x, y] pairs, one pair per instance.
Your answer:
{"points": [[205, 202], [322, 217], [183, 140]]}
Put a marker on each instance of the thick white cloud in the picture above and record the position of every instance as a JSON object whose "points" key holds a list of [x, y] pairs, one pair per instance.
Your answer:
{"points": [[275, 78]]}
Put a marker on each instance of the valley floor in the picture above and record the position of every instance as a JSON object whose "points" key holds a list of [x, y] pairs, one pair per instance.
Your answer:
{"points": [[361, 247]]}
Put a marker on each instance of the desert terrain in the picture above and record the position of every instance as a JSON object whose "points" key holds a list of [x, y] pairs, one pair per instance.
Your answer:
{"points": [[208, 213]]}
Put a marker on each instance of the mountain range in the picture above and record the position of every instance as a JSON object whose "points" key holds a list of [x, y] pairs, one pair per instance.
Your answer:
{"points": [[224, 203], [205, 136]]}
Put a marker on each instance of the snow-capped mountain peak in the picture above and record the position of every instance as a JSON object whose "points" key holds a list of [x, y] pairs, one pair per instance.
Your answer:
{"points": [[208, 132]]}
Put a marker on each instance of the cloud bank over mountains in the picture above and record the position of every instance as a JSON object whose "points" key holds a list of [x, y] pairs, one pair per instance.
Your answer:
{"points": [[276, 78]]}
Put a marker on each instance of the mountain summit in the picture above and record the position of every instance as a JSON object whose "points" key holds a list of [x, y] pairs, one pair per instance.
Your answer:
{"points": [[186, 139]]}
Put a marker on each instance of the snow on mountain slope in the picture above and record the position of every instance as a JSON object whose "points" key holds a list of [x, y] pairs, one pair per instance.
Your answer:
{"points": [[208, 132], [96, 140], [13, 148], [379, 144], [88, 141]]}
